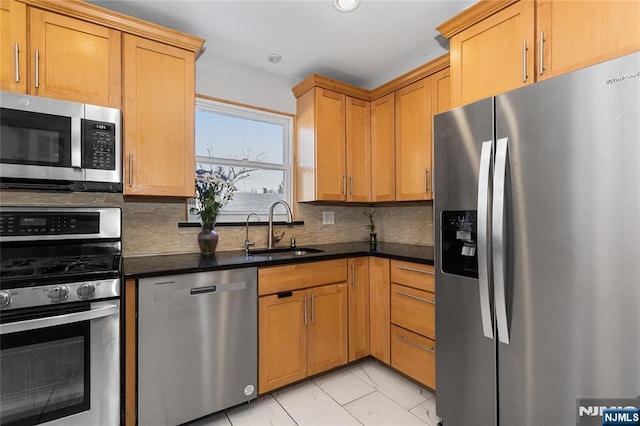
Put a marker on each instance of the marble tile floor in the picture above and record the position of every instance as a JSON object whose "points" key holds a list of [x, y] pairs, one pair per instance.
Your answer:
{"points": [[365, 393]]}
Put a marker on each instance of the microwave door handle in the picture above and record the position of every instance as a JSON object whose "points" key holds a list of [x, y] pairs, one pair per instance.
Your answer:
{"points": [[76, 143], [36, 323]]}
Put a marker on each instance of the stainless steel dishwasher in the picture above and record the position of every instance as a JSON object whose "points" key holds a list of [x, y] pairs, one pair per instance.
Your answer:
{"points": [[197, 344]]}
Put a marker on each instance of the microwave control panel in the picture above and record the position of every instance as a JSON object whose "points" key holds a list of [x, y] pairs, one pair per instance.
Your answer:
{"points": [[99, 145]]}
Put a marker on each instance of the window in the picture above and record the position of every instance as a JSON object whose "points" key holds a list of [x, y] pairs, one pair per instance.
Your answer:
{"points": [[256, 144]]}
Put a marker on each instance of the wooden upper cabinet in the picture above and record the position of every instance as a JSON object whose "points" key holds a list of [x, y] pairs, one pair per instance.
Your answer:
{"points": [[159, 104], [13, 46], [330, 146], [358, 149], [321, 146], [383, 154], [413, 142], [73, 59], [494, 55], [501, 45], [333, 145], [576, 34]]}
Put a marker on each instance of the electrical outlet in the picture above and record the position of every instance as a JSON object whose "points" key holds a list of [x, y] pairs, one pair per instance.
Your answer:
{"points": [[328, 218]]}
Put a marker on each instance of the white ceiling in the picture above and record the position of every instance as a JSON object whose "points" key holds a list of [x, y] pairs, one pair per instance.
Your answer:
{"points": [[379, 41]]}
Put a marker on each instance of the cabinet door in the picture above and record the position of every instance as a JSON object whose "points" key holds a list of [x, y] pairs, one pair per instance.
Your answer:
{"points": [[581, 33], [440, 102], [494, 55], [327, 331], [380, 308], [358, 308], [413, 142], [74, 60], [383, 149], [13, 46], [331, 179], [358, 137], [159, 108], [282, 331]]}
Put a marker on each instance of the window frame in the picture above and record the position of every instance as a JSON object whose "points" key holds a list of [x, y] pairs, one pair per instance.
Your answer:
{"points": [[247, 112]]}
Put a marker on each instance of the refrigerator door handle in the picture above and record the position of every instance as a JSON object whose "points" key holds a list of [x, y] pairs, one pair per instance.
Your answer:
{"points": [[498, 241], [484, 181]]}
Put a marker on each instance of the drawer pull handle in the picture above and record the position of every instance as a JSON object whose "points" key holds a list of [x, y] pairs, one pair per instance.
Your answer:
{"points": [[417, 345], [406, 268], [402, 293]]}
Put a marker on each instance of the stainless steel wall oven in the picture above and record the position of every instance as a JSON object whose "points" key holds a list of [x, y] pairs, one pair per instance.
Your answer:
{"points": [[60, 316]]}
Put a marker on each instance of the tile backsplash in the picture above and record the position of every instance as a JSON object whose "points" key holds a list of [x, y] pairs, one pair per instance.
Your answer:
{"points": [[151, 227]]}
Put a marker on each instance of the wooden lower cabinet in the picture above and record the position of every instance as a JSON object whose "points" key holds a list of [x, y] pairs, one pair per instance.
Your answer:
{"points": [[301, 333], [413, 321], [359, 336], [414, 355], [327, 343], [282, 339], [379, 309]]}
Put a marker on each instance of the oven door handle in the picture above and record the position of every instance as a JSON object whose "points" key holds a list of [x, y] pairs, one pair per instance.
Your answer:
{"points": [[103, 310]]}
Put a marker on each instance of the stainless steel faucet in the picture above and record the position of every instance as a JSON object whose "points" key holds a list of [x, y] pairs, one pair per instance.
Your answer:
{"points": [[248, 243], [290, 220]]}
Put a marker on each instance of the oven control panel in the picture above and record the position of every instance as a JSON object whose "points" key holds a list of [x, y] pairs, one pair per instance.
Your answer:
{"points": [[29, 297], [40, 223]]}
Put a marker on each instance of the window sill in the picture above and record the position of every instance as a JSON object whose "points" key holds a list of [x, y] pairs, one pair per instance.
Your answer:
{"points": [[224, 224]]}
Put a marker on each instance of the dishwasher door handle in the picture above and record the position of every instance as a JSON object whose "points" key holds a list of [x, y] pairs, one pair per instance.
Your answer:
{"points": [[166, 292], [203, 290]]}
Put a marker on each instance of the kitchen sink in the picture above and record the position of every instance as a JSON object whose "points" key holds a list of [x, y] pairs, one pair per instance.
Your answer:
{"points": [[285, 252]]}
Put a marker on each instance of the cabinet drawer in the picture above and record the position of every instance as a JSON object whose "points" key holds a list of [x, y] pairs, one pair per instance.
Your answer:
{"points": [[301, 275], [413, 274], [414, 355], [414, 310]]}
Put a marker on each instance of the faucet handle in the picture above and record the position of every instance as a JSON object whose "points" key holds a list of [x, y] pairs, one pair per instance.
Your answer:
{"points": [[248, 244]]}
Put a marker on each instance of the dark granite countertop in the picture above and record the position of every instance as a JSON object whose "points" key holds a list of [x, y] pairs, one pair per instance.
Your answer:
{"points": [[170, 264]]}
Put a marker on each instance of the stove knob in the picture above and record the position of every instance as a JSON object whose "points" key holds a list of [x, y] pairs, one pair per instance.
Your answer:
{"points": [[86, 291], [5, 299], [58, 293]]}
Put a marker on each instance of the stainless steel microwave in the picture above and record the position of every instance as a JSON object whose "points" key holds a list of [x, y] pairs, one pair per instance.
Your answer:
{"points": [[52, 144]]}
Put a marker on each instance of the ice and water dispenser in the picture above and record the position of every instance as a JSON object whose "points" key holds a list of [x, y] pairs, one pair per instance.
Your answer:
{"points": [[459, 243]]}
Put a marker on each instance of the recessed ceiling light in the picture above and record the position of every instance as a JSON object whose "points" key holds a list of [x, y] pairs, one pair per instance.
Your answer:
{"points": [[346, 5], [274, 58]]}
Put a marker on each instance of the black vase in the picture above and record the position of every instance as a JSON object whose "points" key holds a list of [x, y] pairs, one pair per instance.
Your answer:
{"points": [[208, 239]]}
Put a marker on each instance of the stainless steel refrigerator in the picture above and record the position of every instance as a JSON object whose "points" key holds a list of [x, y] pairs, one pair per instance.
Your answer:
{"points": [[537, 236]]}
